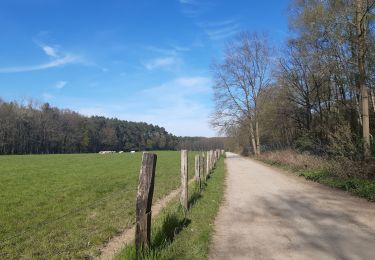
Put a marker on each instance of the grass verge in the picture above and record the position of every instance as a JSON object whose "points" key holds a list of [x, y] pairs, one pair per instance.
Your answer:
{"points": [[321, 171], [175, 236]]}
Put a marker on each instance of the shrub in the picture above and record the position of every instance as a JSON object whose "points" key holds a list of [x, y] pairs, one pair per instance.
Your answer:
{"points": [[342, 143]]}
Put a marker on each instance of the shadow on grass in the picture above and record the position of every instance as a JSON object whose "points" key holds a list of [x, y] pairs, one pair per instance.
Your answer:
{"points": [[194, 198], [172, 225]]}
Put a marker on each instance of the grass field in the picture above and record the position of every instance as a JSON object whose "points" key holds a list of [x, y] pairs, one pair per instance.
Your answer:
{"points": [[175, 236], [67, 206]]}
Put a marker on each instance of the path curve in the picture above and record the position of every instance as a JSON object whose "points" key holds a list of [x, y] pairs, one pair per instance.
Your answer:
{"points": [[270, 214]]}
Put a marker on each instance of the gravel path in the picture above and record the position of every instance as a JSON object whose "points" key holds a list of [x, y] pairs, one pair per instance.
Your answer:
{"points": [[270, 214]]}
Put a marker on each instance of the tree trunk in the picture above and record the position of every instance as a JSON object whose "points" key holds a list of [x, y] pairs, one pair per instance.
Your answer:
{"points": [[252, 138], [372, 99], [257, 136], [361, 24]]}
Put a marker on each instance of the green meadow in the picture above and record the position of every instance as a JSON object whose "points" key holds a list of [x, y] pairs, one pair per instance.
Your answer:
{"points": [[68, 206]]}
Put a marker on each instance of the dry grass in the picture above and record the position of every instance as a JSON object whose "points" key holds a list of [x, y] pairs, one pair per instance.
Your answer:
{"points": [[341, 167], [352, 176], [294, 159]]}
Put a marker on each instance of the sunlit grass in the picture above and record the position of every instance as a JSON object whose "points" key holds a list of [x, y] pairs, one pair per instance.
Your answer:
{"points": [[67, 206]]}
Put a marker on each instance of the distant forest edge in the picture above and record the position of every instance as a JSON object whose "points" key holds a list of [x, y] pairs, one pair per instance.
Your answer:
{"points": [[43, 129]]}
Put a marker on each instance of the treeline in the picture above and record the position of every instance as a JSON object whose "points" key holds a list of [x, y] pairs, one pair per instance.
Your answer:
{"points": [[317, 95], [203, 143], [26, 129]]}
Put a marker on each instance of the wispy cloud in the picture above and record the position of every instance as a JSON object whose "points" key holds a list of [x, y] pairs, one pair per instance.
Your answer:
{"points": [[182, 108], [173, 50], [168, 57], [57, 59], [194, 8], [182, 87], [219, 30], [60, 84], [162, 63], [50, 51], [180, 105]]}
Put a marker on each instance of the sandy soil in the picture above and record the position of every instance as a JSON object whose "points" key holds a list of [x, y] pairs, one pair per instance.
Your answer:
{"points": [[270, 214]]}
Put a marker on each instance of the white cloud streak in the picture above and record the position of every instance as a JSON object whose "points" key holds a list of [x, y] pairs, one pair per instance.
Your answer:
{"points": [[57, 60], [162, 63], [220, 30], [195, 8]]}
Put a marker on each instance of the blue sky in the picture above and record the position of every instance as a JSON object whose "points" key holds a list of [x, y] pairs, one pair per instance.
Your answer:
{"points": [[143, 60]]}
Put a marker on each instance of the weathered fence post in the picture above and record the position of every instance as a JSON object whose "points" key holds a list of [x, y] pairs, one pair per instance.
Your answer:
{"points": [[144, 202], [198, 170], [184, 180], [208, 164], [203, 166]]}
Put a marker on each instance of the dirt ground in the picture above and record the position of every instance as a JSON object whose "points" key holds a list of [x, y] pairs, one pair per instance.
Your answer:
{"points": [[271, 214]]}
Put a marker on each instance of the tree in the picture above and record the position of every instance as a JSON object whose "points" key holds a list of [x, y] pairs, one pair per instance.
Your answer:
{"points": [[31, 128], [239, 80], [363, 10]]}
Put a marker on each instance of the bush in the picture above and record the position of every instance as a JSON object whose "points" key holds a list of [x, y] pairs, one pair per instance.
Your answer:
{"points": [[305, 143], [342, 143]]}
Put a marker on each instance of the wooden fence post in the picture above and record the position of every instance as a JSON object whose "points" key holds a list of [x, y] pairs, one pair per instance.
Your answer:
{"points": [[184, 180], [198, 170], [144, 202], [203, 166], [208, 164]]}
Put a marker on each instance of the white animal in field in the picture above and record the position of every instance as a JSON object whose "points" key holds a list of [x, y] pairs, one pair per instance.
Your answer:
{"points": [[132, 151], [107, 152]]}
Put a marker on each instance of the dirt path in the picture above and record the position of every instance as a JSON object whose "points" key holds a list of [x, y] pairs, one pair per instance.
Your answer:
{"points": [[269, 214], [117, 243]]}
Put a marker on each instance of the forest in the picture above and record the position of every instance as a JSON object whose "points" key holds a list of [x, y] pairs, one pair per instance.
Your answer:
{"points": [[314, 94], [43, 129]]}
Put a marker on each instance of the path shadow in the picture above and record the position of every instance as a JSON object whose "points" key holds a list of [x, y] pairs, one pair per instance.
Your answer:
{"points": [[332, 227]]}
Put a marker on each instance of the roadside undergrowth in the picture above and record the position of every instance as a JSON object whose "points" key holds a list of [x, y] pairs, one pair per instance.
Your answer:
{"points": [[354, 177]]}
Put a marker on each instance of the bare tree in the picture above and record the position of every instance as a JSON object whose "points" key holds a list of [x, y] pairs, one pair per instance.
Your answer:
{"points": [[239, 80]]}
